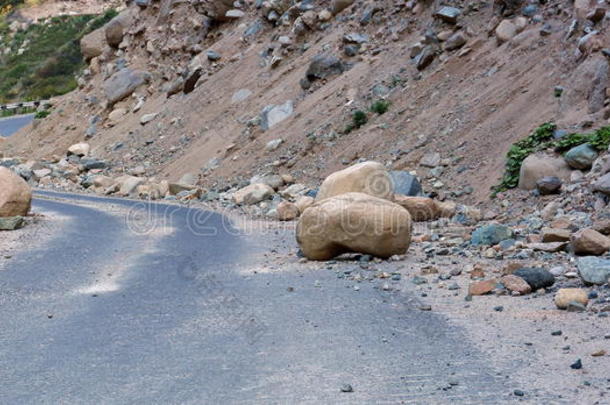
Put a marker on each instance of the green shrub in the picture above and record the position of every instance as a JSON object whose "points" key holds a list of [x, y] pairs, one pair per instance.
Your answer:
{"points": [[540, 139], [42, 114], [380, 106], [359, 118]]}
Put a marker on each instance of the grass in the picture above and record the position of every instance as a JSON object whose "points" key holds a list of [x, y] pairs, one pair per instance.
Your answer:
{"points": [[541, 139], [50, 58]]}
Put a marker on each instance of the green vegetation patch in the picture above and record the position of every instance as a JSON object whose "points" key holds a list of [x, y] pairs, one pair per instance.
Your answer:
{"points": [[359, 118], [49, 59], [541, 139], [380, 106]]}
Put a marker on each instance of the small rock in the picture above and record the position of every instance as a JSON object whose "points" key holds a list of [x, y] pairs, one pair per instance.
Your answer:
{"points": [[537, 278], [566, 296], [577, 365], [481, 287], [549, 185], [347, 388]]}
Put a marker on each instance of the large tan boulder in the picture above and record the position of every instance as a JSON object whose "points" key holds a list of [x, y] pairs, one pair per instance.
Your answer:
{"points": [[115, 29], [15, 194], [537, 166], [92, 44], [354, 222], [420, 208], [368, 177], [589, 242]]}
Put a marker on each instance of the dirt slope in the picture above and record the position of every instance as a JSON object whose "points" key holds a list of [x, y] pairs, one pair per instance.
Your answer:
{"points": [[469, 104]]}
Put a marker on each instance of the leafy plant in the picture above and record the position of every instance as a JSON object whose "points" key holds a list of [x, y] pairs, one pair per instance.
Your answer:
{"points": [[42, 114], [540, 139], [380, 106]]}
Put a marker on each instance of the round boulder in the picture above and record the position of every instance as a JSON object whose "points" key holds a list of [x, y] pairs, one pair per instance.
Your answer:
{"points": [[15, 194], [535, 167], [354, 222], [581, 156], [368, 177]]}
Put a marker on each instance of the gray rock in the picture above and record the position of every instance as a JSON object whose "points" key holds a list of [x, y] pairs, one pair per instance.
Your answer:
{"points": [[213, 55], [323, 66], [603, 184], [143, 3], [11, 223], [90, 163], [455, 41], [351, 49], [549, 185], [537, 278], [581, 156], [405, 183], [355, 38], [448, 14], [253, 29], [240, 95], [594, 270], [124, 82], [274, 114], [425, 58], [490, 235], [114, 31]]}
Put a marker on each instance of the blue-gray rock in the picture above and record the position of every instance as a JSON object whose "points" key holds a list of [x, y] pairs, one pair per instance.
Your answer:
{"points": [[143, 3], [11, 223], [213, 56], [91, 163], [351, 50], [490, 235], [581, 157], [253, 29], [355, 38], [323, 66], [123, 83], [530, 10], [448, 14], [536, 277], [603, 184], [405, 183], [274, 114], [548, 185], [594, 270], [9, 162]]}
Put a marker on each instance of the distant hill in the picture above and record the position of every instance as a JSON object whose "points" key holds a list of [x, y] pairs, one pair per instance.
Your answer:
{"points": [[40, 61]]}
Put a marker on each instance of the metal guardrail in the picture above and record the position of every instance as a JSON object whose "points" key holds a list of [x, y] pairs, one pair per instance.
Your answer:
{"points": [[24, 104]]}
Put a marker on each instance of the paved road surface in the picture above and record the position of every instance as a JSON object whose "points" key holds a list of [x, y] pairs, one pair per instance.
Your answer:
{"points": [[103, 314], [10, 125]]}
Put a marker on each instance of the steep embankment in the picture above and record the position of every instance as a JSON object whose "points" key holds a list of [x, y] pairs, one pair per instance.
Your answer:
{"points": [[461, 87]]}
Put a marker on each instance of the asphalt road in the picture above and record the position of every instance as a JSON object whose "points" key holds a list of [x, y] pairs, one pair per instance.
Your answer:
{"points": [[114, 310], [10, 125]]}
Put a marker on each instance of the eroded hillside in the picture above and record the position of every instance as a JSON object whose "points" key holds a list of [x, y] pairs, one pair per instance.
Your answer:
{"points": [[463, 82]]}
